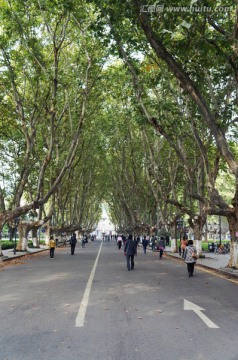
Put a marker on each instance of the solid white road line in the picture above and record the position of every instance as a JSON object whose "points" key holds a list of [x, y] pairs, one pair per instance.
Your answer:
{"points": [[84, 304]]}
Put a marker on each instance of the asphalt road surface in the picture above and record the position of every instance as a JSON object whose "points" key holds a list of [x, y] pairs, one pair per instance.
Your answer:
{"points": [[89, 307]]}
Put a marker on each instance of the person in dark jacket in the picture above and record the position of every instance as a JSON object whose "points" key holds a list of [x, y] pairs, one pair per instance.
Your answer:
{"points": [[130, 251], [73, 241], [161, 247], [167, 240], [144, 244]]}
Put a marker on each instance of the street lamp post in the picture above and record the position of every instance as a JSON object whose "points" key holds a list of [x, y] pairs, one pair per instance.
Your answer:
{"points": [[220, 229], [40, 229], [179, 227], [16, 222]]}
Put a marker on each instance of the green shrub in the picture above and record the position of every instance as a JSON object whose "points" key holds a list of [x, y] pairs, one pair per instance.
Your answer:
{"points": [[7, 245]]}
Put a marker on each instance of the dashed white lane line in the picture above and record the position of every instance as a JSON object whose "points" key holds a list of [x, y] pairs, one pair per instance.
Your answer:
{"points": [[84, 304]]}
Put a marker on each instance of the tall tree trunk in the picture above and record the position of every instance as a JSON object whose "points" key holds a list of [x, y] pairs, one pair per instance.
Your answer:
{"points": [[35, 238], [1, 228], [20, 239], [23, 230], [198, 238], [1, 253], [233, 228], [233, 261], [197, 225]]}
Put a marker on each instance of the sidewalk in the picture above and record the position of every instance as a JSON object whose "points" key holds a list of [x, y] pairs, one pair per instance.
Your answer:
{"points": [[9, 253]]}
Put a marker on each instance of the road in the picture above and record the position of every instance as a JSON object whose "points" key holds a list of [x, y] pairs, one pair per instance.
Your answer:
{"points": [[89, 307]]}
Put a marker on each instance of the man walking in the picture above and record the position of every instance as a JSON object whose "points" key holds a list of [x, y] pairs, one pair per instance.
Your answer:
{"points": [[145, 244], [130, 251], [73, 241]]}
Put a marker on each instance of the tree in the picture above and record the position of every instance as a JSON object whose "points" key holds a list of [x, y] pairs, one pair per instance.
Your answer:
{"points": [[192, 84], [47, 101]]}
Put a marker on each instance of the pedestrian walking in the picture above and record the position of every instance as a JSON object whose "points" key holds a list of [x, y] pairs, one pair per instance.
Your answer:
{"points": [[190, 257], [73, 241], [83, 241], [167, 240], [52, 246], [180, 249], [184, 243], [119, 241], [123, 239], [144, 244], [130, 250], [153, 243], [161, 246]]}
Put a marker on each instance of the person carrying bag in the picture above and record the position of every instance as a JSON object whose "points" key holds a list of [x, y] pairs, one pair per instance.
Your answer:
{"points": [[190, 257]]}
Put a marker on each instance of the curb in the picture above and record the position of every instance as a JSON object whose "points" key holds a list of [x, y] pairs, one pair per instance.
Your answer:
{"points": [[6, 258]]}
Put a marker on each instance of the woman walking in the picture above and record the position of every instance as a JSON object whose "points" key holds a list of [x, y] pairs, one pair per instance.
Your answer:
{"points": [[190, 257], [52, 247]]}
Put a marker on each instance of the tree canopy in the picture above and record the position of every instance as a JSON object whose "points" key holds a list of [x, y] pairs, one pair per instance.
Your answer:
{"points": [[126, 103]]}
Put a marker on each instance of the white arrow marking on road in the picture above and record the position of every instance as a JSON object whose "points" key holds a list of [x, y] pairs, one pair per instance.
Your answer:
{"points": [[197, 309], [84, 304]]}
